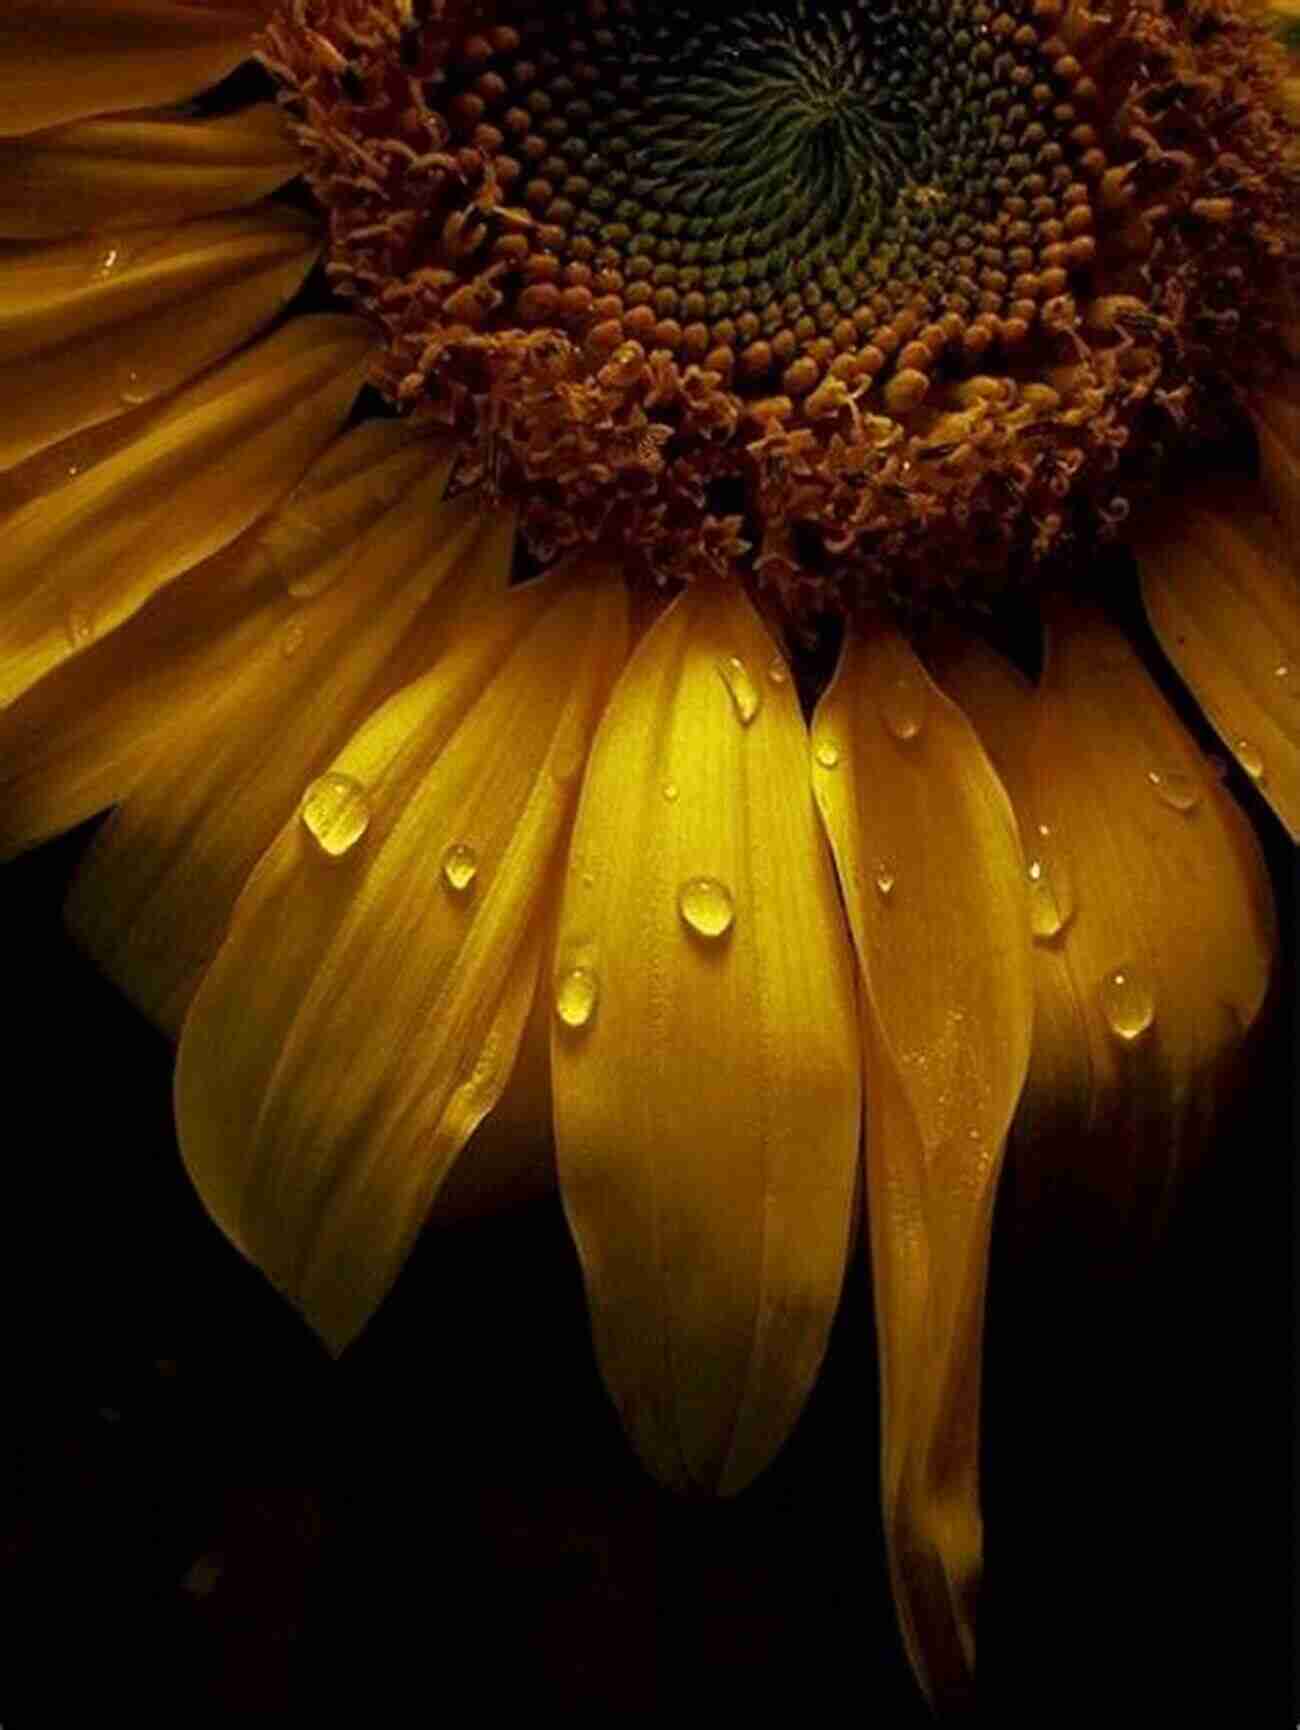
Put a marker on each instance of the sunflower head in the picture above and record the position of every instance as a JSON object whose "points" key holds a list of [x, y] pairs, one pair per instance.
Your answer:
{"points": [[852, 299]]}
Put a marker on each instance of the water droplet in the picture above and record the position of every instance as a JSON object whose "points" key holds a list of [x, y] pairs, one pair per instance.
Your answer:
{"points": [[1248, 756], [576, 991], [884, 881], [741, 688], [670, 791], [108, 259], [1287, 672], [459, 866], [827, 753], [1127, 1003], [1050, 910], [705, 904], [902, 705], [777, 670], [1179, 791], [1043, 829], [293, 638], [80, 627], [133, 390], [336, 813]]}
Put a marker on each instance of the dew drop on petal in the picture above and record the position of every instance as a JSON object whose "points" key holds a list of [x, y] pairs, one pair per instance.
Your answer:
{"points": [[1050, 908], [1128, 1003], [884, 881], [1248, 756], [670, 791], [80, 627], [744, 694], [459, 866], [335, 812], [827, 753], [109, 258], [576, 991], [1287, 673], [133, 389], [706, 905], [1174, 788], [777, 671], [902, 705]]}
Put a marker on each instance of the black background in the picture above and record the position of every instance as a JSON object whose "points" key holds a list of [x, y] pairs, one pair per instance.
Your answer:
{"points": [[205, 1518]]}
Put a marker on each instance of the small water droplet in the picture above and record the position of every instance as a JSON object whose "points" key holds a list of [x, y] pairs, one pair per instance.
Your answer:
{"points": [[777, 671], [293, 638], [744, 694], [827, 753], [670, 791], [1043, 829], [1051, 905], [884, 881], [1248, 756], [576, 992], [108, 259], [1127, 1003], [1176, 789], [1287, 672], [459, 866], [902, 705], [133, 390], [80, 627], [335, 811], [706, 905]]}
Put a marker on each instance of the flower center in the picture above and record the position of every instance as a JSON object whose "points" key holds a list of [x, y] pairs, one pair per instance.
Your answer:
{"points": [[847, 295]]}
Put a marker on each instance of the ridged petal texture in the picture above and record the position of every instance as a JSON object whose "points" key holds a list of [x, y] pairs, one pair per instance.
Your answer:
{"points": [[1221, 589], [66, 59], [366, 1008], [1277, 427], [1154, 922], [80, 321], [178, 482], [934, 880], [114, 175], [704, 1053]]}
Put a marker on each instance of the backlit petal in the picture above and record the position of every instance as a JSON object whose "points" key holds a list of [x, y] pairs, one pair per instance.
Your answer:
{"points": [[365, 1010], [706, 1079], [79, 336], [191, 475], [110, 175], [1277, 426], [934, 879], [75, 58], [1222, 594]]}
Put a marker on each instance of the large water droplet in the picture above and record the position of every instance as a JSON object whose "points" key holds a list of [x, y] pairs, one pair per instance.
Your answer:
{"points": [[459, 866], [745, 698], [1176, 789], [1128, 1003], [1050, 909], [335, 812], [576, 991], [903, 704], [706, 906], [133, 388], [827, 753], [1248, 755]]}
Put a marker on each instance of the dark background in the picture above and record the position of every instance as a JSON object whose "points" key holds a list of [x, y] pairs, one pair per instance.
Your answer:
{"points": [[206, 1519]]}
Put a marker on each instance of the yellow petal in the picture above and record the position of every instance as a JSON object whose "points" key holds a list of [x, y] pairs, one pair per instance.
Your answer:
{"points": [[706, 1087], [1277, 425], [108, 175], [198, 470], [934, 880], [153, 895], [65, 61], [365, 1010], [1222, 595], [79, 338]]}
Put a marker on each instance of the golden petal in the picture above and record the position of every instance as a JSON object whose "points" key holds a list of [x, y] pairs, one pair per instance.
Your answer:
{"points": [[79, 337], [199, 469], [107, 176], [704, 1057], [82, 57], [934, 879], [374, 942], [155, 892], [1221, 591], [1277, 426]]}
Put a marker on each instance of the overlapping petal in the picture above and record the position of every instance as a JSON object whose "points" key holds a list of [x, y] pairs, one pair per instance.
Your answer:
{"points": [[79, 322], [1221, 590], [934, 879], [705, 1075], [365, 1011], [185, 479], [110, 176], [69, 60]]}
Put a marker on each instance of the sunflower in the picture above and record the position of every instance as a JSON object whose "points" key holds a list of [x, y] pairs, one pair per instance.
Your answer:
{"points": [[518, 507]]}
